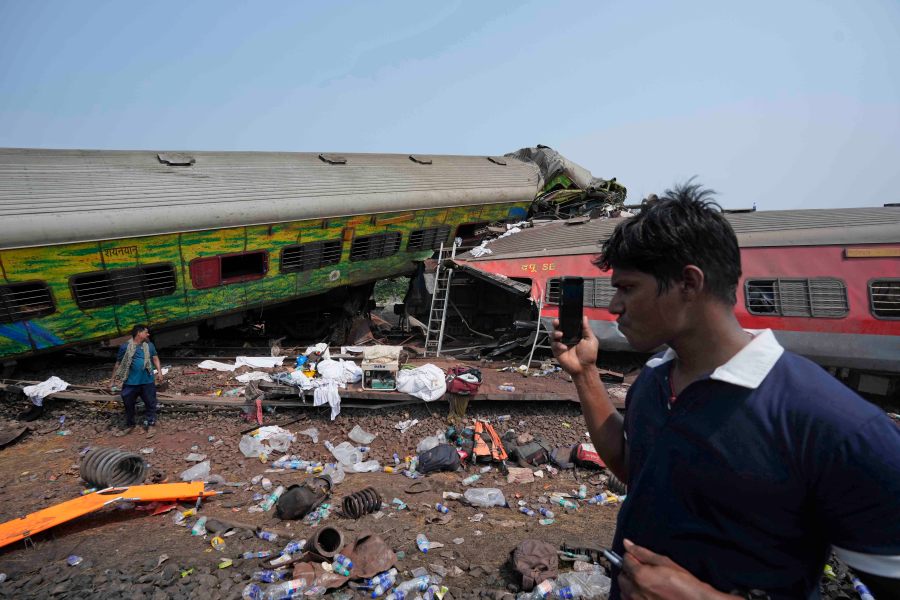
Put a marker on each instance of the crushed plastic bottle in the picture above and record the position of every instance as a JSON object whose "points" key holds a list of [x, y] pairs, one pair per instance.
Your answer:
{"points": [[269, 575], [543, 590], [471, 479], [441, 508], [587, 584], [546, 512], [422, 543], [257, 554], [218, 544], [546, 521], [582, 491], [526, 511], [266, 484], [399, 504], [225, 563], [74, 560], [403, 590], [266, 535], [285, 589], [294, 546], [506, 387], [252, 592]]}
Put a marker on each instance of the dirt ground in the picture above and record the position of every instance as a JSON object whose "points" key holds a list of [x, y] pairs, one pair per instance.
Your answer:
{"points": [[121, 549], [132, 554]]}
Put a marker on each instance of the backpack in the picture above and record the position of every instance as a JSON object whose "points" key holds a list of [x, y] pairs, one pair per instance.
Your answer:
{"points": [[531, 451], [463, 381], [487, 446], [442, 457], [535, 561]]}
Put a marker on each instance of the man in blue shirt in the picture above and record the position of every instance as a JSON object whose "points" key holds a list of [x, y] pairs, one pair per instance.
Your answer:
{"points": [[746, 464], [133, 368]]}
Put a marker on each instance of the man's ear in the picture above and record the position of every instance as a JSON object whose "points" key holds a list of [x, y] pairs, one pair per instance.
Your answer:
{"points": [[693, 282]]}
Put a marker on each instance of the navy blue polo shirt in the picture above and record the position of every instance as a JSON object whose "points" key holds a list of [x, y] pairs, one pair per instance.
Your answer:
{"points": [[757, 471]]}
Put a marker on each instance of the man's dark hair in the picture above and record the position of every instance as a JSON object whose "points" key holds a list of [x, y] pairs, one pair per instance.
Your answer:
{"points": [[683, 227], [137, 329]]}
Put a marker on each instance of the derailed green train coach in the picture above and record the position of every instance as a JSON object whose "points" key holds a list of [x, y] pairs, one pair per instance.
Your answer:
{"points": [[92, 242]]}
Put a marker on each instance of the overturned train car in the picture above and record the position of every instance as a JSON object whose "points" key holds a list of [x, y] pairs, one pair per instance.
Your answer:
{"points": [[826, 281], [92, 242]]}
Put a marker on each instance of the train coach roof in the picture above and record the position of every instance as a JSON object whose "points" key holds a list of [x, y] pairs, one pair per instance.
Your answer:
{"points": [[63, 196], [811, 227]]}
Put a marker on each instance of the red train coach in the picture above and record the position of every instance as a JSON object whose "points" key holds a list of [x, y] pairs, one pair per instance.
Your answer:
{"points": [[827, 281]]}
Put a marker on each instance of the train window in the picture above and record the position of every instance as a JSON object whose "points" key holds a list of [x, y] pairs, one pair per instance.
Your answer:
{"points": [[884, 298], [598, 292], [379, 245], [601, 292], [820, 297], [312, 255], [228, 268], [24, 301], [427, 239], [119, 286]]}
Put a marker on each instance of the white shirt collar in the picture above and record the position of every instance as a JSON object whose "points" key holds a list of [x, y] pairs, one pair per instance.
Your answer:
{"points": [[748, 367]]}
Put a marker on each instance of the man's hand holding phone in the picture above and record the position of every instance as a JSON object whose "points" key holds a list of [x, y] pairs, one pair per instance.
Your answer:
{"points": [[574, 359]]}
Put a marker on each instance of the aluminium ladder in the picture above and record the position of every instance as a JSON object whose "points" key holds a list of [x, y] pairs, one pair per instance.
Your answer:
{"points": [[437, 316]]}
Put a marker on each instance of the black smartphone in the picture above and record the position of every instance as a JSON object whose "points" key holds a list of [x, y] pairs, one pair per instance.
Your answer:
{"points": [[571, 300]]}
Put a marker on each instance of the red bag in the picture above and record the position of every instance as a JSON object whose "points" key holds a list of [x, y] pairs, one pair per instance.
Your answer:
{"points": [[586, 456], [463, 381]]}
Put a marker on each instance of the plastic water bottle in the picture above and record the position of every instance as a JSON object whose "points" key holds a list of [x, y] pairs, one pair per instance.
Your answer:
{"points": [[259, 554], [388, 582], [342, 565], [546, 512], [199, 527], [568, 592], [285, 589], [396, 459], [269, 502], [410, 585], [543, 589], [471, 479], [266, 535], [269, 576], [526, 511], [422, 543], [441, 508], [861, 589], [598, 499], [565, 503], [582, 491], [294, 546], [252, 592]]}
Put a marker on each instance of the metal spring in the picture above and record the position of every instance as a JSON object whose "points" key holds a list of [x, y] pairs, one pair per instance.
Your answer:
{"points": [[108, 467], [361, 503]]}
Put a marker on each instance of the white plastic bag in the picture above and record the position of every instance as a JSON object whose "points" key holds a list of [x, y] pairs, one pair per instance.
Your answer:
{"points": [[426, 382], [251, 447], [360, 436], [198, 472], [313, 433], [346, 454], [335, 471], [366, 467], [276, 438], [485, 497], [429, 442]]}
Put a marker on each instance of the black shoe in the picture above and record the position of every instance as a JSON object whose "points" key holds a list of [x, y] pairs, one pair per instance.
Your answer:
{"points": [[32, 414]]}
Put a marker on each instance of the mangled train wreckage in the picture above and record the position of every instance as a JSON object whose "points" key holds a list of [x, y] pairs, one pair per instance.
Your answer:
{"points": [[826, 281], [92, 242]]}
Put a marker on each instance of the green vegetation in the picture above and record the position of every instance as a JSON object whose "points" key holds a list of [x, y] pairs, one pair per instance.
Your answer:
{"points": [[391, 290]]}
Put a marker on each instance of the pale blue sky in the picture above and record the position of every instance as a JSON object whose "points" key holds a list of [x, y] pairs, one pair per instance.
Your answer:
{"points": [[785, 104]]}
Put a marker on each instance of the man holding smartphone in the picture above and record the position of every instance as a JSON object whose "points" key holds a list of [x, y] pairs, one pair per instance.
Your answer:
{"points": [[746, 464]]}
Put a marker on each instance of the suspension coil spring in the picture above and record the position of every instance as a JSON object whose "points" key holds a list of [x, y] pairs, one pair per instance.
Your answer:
{"points": [[361, 503], [109, 467]]}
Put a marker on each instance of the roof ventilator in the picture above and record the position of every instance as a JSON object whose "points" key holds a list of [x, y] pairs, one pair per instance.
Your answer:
{"points": [[176, 159], [333, 159]]}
